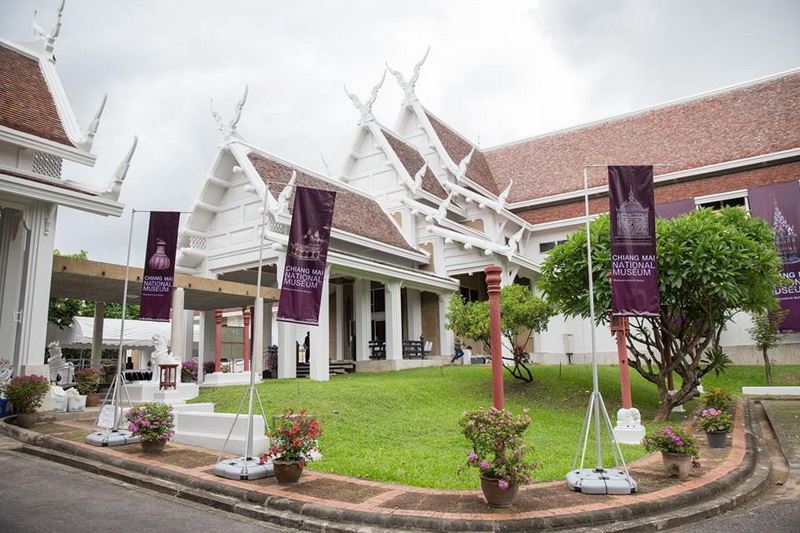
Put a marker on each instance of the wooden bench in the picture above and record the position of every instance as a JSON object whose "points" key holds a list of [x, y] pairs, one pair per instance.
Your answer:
{"points": [[377, 350], [413, 350]]}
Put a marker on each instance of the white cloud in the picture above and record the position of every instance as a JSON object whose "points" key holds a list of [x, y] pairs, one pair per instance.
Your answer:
{"points": [[502, 71]]}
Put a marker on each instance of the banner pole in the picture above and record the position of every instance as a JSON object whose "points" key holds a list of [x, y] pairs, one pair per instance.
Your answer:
{"points": [[598, 480], [114, 436], [249, 467]]}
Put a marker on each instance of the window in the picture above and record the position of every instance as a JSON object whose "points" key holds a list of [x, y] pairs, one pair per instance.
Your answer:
{"points": [[469, 295], [545, 247], [729, 202], [378, 300]]}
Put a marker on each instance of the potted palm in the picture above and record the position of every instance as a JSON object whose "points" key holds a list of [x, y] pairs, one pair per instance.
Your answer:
{"points": [[88, 383], [678, 450], [26, 394], [716, 423], [293, 438], [153, 423], [498, 452]]}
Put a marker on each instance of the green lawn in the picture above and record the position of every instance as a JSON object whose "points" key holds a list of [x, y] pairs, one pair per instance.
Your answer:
{"points": [[403, 426]]}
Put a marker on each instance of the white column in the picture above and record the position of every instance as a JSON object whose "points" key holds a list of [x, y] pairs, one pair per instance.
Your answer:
{"points": [[260, 361], [188, 334], [258, 337], [206, 344], [394, 320], [177, 330], [41, 219], [13, 237], [287, 336], [287, 357], [319, 367], [446, 338], [340, 323], [97, 335], [414, 313], [362, 312]]}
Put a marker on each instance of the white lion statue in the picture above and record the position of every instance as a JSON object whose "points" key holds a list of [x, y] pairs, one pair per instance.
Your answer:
{"points": [[161, 355]]}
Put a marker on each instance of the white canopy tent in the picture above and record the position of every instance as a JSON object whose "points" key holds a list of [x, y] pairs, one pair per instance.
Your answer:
{"points": [[138, 333]]}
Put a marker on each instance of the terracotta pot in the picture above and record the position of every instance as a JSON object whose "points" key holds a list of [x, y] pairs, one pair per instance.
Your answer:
{"points": [[495, 496], [92, 400], [716, 439], [677, 464], [287, 471], [153, 446], [27, 420]]}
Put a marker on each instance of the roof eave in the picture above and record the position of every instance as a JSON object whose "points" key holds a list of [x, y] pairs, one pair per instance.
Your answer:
{"points": [[33, 142], [98, 205]]}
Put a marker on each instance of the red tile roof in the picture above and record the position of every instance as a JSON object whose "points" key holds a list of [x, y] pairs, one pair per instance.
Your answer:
{"points": [[353, 213], [457, 148], [741, 122], [26, 103], [412, 160]]}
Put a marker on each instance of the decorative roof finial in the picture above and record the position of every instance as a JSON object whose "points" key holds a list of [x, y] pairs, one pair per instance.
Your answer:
{"points": [[416, 184], [502, 199], [115, 185], [460, 172], [283, 197], [48, 39], [91, 130], [228, 129], [366, 108], [408, 86]]}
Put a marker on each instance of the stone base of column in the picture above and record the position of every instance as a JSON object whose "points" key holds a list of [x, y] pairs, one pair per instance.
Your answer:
{"points": [[629, 429]]}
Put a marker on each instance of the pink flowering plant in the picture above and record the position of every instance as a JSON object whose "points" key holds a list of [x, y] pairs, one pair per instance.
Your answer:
{"points": [[712, 419], [293, 437], [152, 422], [26, 393], [672, 439], [189, 370], [498, 450]]}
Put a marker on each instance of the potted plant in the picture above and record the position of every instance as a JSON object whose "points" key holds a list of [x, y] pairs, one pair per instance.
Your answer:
{"points": [[26, 394], [293, 437], [209, 367], [498, 452], [678, 450], [189, 371], [718, 398], [716, 424], [153, 423], [88, 383]]}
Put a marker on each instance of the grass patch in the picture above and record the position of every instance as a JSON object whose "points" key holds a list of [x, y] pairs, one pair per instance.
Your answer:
{"points": [[402, 427]]}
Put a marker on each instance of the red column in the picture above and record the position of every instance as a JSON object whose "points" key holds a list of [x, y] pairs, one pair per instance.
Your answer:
{"points": [[246, 335], [493, 288], [218, 341], [619, 324]]}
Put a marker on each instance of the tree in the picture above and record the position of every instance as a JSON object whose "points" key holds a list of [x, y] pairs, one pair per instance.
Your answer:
{"points": [[711, 265], [765, 334], [521, 314]]}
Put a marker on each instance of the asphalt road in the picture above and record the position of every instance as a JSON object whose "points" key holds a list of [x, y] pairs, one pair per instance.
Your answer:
{"points": [[38, 496]]}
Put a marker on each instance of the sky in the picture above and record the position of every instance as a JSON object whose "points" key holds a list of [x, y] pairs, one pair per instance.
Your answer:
{"points": [[497, 72]]}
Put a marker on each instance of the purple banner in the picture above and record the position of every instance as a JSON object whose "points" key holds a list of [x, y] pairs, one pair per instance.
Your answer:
{"points": [[634, 273], [779, 205], [674, 209], [159, 266], [306, 256]]}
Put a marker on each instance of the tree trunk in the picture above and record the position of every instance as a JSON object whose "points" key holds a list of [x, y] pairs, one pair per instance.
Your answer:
{"points": [[767, 367], [663, 411]]}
